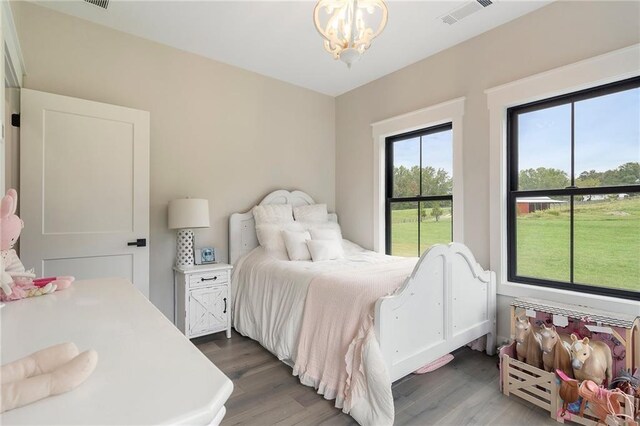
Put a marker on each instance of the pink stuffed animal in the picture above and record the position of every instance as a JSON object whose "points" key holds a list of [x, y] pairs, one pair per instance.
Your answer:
{"points": [[16, 282]]}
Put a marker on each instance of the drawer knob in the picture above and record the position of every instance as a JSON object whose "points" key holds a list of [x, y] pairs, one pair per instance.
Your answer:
{"points": [[208, 279]]}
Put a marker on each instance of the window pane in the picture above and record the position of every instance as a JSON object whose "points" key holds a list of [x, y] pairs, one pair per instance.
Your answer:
{"points": [[607, 140], [404, 229], [437, 163], [543, 237], [544, 148], [435, 223], [406, 168], [607, 241]]}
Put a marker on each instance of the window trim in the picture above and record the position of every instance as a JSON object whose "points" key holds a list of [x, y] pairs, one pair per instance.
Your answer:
{"points": [[446, 112], [389, 199], [609, 67], [513, 192]]}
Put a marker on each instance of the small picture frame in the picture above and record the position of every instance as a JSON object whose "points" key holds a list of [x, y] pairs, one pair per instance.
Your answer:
{"points": [[205, 255]]}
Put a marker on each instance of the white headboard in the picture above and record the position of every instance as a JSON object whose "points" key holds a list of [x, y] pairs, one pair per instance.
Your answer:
{"points": [[242, 226]]}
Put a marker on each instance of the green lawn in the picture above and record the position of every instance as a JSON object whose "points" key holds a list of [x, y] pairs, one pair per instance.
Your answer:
{"points": [[607, 241], [404, 229]]}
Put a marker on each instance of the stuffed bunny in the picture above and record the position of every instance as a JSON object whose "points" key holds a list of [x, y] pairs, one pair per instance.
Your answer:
{"points": [[16, 282], [51, 371]]}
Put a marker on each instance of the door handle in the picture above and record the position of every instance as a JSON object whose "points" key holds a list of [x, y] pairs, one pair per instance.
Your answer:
{"points": [[225, 306], [140, 242]]}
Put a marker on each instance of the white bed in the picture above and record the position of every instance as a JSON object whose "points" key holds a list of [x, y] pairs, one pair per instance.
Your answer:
{"points": [[446, 302]]}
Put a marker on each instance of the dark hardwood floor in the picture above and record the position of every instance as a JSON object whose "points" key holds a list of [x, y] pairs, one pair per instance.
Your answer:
{"points": [[464, 392]]}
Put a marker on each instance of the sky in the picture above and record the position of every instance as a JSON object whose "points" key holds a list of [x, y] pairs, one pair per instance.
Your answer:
{"points": [[607, 134], [437, 151]]}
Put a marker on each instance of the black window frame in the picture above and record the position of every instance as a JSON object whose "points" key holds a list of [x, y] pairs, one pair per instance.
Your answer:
{"points": [[513, 193], [390, 199]]}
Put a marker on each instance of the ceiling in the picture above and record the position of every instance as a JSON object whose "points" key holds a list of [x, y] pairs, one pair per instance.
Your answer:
{"points": [[278, 38]]}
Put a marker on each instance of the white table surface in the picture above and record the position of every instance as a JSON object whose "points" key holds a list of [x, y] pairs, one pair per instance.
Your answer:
{"points": [[147, 371]]}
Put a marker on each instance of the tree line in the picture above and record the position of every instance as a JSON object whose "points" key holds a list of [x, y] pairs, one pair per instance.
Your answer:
{"points": [[406, 182], [550, 178]]}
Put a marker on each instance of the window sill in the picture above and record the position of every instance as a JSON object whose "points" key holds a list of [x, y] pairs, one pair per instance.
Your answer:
{"points": [[595, 301]]}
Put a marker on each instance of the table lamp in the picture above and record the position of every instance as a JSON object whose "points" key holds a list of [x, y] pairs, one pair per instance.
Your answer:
{"points": [[184, 215]]}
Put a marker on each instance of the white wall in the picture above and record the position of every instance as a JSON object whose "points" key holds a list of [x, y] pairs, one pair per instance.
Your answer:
{"points": [[217, 132], [556, 35], [231, 135]]}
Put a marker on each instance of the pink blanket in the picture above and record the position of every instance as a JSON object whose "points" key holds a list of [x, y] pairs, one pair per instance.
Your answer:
{"points": [[337, 350]]}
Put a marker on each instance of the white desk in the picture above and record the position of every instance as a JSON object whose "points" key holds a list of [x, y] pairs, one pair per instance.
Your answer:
{"points": [[147, 372]]}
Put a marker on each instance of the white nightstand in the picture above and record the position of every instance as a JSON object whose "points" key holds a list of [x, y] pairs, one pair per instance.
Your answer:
{"points": [[203, 299]]}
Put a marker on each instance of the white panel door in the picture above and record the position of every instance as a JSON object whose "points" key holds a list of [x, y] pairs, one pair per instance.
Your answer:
{"points": [[84, 188], [3, 160]]}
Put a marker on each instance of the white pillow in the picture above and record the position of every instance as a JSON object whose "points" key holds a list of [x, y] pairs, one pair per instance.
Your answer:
{"points": [[325, 249], [273, 213], [311, 213], [296, 244], [325, 231], [270, 237]]}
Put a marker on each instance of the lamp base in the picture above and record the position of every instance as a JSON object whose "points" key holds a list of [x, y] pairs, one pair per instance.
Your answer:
{"points": [[184, 248]]}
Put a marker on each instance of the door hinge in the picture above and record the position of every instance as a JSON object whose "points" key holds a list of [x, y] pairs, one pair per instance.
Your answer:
{"points": [[15, 120]]}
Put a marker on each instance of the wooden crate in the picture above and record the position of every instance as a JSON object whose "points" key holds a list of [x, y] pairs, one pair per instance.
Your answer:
{"points": [[541, 388], [529, 383], [625, 329]]}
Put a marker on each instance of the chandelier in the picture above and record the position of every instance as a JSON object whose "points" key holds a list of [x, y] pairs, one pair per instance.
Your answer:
{"points": [[348, 26]]}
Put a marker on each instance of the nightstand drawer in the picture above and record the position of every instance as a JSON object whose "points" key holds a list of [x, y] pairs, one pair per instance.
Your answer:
{"points": [[208, 278]]}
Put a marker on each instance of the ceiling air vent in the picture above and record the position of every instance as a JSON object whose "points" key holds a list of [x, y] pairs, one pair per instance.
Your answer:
{"points": [[465, 10], [100, 3]]}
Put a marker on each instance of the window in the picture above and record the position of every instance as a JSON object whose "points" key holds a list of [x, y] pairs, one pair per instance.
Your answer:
{"points": [[573, 208], [419, 187]]}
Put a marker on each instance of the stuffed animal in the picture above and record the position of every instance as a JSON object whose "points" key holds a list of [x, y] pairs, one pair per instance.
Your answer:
{"points": [[591, 360], [528, 343], [556, 353], [15, 281], [48, 372]]}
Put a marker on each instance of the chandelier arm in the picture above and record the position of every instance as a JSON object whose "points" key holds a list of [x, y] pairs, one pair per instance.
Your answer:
{"points": [[347, 30]]}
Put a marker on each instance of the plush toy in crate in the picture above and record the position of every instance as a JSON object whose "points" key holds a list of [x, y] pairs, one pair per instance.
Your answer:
{"points": [[591, 360], [542, 346], [587, 356], [15, 281], [556, 350], [528, 345]]}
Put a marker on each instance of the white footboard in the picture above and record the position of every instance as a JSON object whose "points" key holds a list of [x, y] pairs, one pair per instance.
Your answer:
{"points": [[447, 302]]}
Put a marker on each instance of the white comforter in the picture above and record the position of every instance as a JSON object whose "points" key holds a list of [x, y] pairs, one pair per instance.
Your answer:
{"points": [[269, 301]]}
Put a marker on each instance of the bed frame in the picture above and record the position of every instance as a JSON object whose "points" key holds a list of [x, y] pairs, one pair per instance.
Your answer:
{"points": [[446, 303]]}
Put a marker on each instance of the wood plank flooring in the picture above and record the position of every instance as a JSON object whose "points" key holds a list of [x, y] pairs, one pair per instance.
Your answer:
{"points": [[464, 392]]}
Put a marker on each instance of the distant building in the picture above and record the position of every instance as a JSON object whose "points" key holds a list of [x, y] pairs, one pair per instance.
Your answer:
{"points": [[532, 204], [595, 197], [602, 197]]}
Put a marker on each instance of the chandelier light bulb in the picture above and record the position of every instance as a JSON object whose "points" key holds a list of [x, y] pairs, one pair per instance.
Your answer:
{"points": [[349, 26]]}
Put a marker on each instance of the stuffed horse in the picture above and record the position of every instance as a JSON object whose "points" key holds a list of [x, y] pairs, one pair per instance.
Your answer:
{"points": [[556, 354], [16, 282], [591, 360], [528, 345]]}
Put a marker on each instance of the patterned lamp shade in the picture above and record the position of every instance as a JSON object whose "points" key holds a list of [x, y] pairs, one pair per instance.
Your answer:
{"points": [[186, 213]]}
